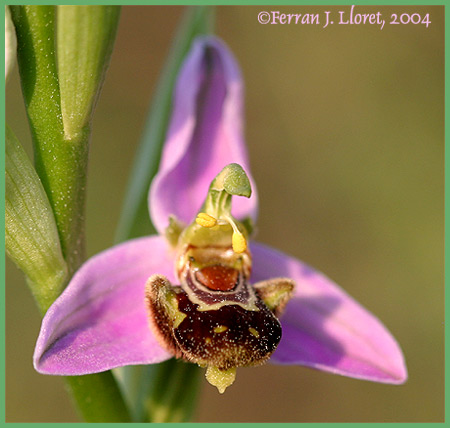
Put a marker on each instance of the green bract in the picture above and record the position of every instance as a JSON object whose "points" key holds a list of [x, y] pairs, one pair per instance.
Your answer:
{"points": [[84, 41], [31, 238]]}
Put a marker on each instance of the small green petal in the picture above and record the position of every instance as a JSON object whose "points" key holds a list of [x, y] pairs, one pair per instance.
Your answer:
{"points": [[233, 180], [32, 239]]}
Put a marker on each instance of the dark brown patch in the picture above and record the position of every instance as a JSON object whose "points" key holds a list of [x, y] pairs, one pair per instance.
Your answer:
{"points": [[227, 337], [218, 277]]}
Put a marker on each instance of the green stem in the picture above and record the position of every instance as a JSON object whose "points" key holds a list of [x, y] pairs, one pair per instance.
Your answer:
{"points": [[174, 392], [61, 163], [98, 398], [164, 392]]}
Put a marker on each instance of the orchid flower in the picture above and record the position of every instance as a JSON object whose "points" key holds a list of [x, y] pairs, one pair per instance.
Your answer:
{"points": [[201, 289]]}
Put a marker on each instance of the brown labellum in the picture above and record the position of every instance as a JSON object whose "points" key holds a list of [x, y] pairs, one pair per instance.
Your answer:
{"points": [[215, 318], [230, 336]]}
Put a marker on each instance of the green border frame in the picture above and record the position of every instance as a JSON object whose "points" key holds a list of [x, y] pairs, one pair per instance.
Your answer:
{"points": [[231, 3]]}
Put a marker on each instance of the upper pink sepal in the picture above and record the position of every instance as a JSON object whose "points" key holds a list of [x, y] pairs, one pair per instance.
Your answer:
{"points": [[205, 134]]}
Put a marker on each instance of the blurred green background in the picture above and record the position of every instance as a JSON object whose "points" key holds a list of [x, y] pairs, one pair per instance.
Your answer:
{"points": [[345, 129]]}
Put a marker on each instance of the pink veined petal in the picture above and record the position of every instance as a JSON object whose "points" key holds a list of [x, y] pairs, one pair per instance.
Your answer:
{"points": [[100, 322], [205, 134], [326, 329]]}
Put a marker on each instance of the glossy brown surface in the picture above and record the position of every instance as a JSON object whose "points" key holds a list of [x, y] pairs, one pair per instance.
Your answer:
{"points": [[227, 337], [218, 277]]}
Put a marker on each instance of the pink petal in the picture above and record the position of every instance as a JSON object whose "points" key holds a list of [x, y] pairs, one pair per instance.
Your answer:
{"points": [[325, 328], [100, 322], [205, 134]]}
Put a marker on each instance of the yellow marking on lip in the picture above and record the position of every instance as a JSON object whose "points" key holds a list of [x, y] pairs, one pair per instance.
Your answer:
{"points": [[253, 331]]}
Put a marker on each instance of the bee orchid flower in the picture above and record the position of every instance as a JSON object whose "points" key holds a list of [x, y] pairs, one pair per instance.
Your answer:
{"points": [[201, 289]]}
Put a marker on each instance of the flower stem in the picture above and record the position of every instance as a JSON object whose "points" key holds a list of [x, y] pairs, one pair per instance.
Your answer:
{"points": [[60, 163], [98, 398], [164, 392], [174, 392]]}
